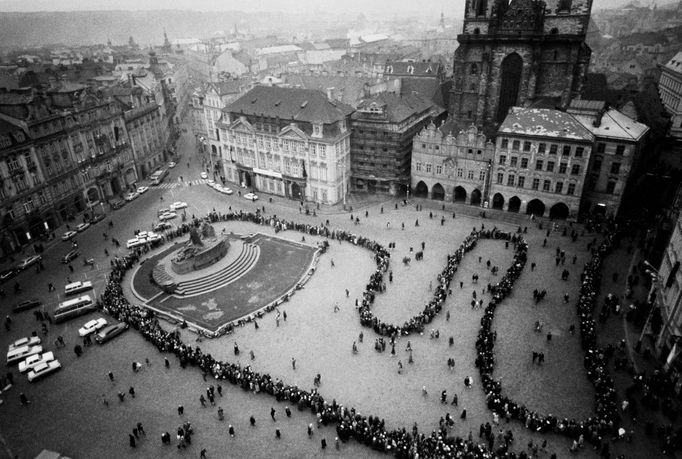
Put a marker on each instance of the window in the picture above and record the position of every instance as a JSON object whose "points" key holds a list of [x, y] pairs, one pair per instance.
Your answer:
{"points": [[610, 187], [558, 187], [512, 161], [526, 145], [470, 175], [510, 180], [460, 172], [503, 159], [536, 183], [500, 178], [418, 167], [539, 165], [516, 144], [579, 152], [428, 168], [522, 182], [545, 185], [566, 151], [524, 163], [542, 147], [552, 149], [601, 147], [550, 166], [575, 170], [562, 168], [571, 189], [481, 175], [615, 168], [505, 143], [439, 169], [620, 149], [597, 165]]}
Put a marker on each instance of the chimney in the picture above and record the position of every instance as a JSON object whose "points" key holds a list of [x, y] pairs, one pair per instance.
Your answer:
{"points": [[597, 121]]}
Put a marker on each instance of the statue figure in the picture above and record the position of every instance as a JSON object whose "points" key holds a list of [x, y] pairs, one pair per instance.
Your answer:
{"points": [[195, 237], [207, 231]]}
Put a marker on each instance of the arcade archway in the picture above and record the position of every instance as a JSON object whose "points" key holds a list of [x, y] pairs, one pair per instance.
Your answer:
{"points": [[459, 194], [514, 204], [498, 201], [438, 192], [421, 190], [535, 207], [559, 211]]}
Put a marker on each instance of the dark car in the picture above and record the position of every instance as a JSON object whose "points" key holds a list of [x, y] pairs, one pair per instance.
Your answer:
{"points": [[118, 204], [70, 256], [163, 226], [7, 274], [110, 332], [26, 305]]}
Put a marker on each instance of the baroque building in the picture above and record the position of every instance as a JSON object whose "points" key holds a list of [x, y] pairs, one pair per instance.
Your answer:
{"points": [[514, 53], [452, 166]]}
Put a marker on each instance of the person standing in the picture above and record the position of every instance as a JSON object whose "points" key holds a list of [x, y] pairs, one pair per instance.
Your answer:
{"points": [[131, 440], [293, 363], [272, 413], [23, 399]]}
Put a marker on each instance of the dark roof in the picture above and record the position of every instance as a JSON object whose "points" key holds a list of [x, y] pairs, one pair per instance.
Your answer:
{"points": [[7, 128], [349, 88], [287, 103], [13, 98], [425, 87], [228, 87], [396, 108], [451, 127], [338, 43]]}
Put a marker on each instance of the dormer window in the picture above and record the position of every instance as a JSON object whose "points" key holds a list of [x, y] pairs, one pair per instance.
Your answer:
{"points": [[342, 125], [410, 69], [317, 130]]}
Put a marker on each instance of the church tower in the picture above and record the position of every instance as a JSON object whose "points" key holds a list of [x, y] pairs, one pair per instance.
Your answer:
{"points": [[516, 52]]}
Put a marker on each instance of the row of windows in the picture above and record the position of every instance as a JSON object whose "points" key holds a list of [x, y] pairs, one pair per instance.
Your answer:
{"points": [[470, 151], [540, 165], [542, 147], [520, 182]]}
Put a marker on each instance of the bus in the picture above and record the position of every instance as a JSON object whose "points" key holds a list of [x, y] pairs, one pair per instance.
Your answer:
{"points": [[158, 176], [77, 287], [73, 308]]}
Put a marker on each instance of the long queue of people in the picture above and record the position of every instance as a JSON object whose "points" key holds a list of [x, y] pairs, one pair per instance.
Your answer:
{"points": [[368, 429]]}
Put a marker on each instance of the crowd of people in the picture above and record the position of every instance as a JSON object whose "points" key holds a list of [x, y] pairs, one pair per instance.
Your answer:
{"points": [[371, 430]]}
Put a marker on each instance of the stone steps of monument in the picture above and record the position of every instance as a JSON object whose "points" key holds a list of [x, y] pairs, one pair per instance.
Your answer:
{"points": [[246, 259]]}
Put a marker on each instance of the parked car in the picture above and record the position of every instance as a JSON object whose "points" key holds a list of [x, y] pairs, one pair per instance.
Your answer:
{"points": [[178, 205], [142, 189], [68, 235], [131, 196], [171, 165], [162, 226], [35, 360], [110, 332], [251, 196], [21, 353], [203, 175], [8, 273], [135, 242], [96, 218], [70, 256], [167, 216], [43, 369], [26, 305], [29, 261], [82, 227], [27, 341], [117, 204], [92, 326], [225, 190]]}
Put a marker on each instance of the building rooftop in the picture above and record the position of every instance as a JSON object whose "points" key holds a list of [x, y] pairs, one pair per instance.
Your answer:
{"points": [[13, 98], [545, 123], [675, 64], [614, 125], [393, 107], [290, 104], [348, 89], [423, 69], [279, 49]]}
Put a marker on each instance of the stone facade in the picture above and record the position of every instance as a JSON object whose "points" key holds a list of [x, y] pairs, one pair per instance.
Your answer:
{"points": [[541, 159], [670, 88], [450, 165], [511, 54]]}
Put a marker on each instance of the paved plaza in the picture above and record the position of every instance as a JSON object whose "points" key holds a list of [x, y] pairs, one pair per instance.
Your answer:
{"points": [[67, 412]]}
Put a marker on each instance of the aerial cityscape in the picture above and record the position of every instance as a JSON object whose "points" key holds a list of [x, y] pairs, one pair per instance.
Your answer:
{"points": [[360, 229]]}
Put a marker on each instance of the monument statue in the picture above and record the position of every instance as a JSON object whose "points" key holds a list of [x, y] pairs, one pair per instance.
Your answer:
{"points": [[201, 250]]}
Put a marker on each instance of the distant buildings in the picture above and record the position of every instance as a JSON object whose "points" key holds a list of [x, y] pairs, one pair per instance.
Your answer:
{"points": [[288, 142], [670, 88]]}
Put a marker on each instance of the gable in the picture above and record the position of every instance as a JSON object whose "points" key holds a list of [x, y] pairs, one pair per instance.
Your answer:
{"points": [[292, 132]]}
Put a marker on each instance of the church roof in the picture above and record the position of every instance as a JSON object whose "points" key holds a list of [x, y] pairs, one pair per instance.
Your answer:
{"points": [[539, 122]]}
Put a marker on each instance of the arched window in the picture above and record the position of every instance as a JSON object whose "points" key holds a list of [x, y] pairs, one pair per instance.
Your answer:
{"points": [[481, 7]]}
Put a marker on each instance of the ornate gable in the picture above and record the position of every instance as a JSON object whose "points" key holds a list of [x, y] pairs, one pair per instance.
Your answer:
{"points": [[241, 124], [293, 132]]}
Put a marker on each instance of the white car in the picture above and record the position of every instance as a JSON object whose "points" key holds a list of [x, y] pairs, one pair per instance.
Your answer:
{"points": [[178, 205], [167, 216], [68, 235], [142, 189], [29, 261], [211, 182], [171, 165], [28, 341], [203, 175], [22, 353], [43, 369], [225, 190], [34, 361], [91, 326], [131, 196], [135, 242], [250, 196], [82, 227]]}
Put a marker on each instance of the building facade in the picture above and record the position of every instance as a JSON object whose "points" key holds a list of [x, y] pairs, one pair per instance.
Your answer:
{"points": [[381, 144], [288, 142], [670, 88], [618, 143], [541, 159], [452, 166], [145, 132], [512, 53]]}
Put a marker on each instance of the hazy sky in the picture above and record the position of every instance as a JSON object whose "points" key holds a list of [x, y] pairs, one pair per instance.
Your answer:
{"points": [[373, 7]]}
